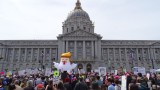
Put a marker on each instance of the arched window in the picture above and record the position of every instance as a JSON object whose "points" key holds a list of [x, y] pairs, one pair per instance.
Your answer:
{"points": [[89, 67], [80, 66]]}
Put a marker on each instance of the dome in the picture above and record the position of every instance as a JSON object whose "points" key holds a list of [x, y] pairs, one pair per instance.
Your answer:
{"points": [[78, 12]]}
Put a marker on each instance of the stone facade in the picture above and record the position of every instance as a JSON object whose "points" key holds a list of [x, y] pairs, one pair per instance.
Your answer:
{"points": [[87, 48]]}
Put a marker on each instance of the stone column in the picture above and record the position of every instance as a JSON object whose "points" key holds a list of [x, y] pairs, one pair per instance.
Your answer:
{"points": [[66, 46], [84, 50], [102, 53], [99, 49], [120, 58], [44, 56], [154, 58], [25, 56], [6, 54], [143, 54], [149, 55], [0, 52], [137, 55], [50, 54], [114, 56], [63, 46], [13, 55], [92, 45], [32, 55], [75, 49], [108, 53], [19, 56], [127, 61], [38, 56], [96, 50]]}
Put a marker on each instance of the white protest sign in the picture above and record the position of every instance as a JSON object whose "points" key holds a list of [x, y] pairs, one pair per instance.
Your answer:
{"points": [[35, 71], [22, 72], [137, 70], [56, 80], [102, 71], [48, 72], [28, 72], [123, 85], [152, 70], [142, 70], [96, 71], [116, 72], [32, 71]]}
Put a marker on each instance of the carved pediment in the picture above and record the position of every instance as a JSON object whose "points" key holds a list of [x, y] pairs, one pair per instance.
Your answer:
{"points": [[156, 44]]}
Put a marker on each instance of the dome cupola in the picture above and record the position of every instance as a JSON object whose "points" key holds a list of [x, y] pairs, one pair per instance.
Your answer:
{"points": [[78, 12], [78, 19]]}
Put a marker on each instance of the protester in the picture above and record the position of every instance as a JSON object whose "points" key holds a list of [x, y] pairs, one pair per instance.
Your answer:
{"points": [[81, 85], [133, 85], [67, 84], [29, 86], [17, 85], [110, 84], [50, 86], [60, 86]]}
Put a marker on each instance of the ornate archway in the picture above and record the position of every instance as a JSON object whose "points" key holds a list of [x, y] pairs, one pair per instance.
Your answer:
{"points": [[80, 66], [88, 67]]}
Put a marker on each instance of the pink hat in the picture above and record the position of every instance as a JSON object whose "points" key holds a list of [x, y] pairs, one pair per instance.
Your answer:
{"points": [[116, 77]]}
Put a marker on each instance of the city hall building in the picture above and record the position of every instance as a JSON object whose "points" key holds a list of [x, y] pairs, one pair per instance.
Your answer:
{"points": [[88, 48]]}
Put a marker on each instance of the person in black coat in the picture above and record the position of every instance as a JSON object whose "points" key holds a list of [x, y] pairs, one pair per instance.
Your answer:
{"points": [[67, 84], [81, 85]]}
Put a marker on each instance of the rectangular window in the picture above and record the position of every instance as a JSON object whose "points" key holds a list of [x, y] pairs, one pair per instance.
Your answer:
{"points": [[72, 28]]}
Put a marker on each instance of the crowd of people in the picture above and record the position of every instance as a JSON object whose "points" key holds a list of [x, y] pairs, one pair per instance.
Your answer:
{"points": [[80, 82]]}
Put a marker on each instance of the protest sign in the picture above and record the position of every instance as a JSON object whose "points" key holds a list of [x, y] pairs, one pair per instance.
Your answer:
{"points": [[123, 85], [102, 71]]}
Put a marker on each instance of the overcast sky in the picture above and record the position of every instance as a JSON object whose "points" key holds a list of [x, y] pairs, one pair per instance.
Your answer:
{"points": [[114, 19]]}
